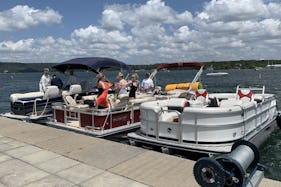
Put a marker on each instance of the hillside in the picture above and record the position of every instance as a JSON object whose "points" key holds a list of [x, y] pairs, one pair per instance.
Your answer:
{"points": [[23, 67], [17, 67]]}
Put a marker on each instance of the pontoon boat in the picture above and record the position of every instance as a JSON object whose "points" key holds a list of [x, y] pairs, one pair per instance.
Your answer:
{"points": [[35, 106], [207, 123]]}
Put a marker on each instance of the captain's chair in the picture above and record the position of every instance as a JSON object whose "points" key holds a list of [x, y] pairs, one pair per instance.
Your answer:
{"points": [[202, 96], [245, 95], [51, 92], [73, 89], [69, 101]]}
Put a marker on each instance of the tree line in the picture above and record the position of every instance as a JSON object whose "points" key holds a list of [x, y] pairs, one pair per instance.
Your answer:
{"points": [[17, 67]]}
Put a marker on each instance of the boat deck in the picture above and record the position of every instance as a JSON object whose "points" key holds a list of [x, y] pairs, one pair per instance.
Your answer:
{"points": [[53, 156]]}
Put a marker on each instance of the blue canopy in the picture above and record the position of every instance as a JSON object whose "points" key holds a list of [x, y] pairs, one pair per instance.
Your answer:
{"points": [[95, 64]]}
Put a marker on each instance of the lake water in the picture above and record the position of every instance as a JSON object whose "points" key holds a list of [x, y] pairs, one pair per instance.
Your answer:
{"points": [[271, 78]]}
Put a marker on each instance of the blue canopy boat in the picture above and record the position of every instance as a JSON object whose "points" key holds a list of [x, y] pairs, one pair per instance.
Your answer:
{"points": [[34, 106]]}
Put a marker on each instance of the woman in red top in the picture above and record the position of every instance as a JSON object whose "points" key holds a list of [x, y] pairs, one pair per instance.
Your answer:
{"points": [[103, 88]]}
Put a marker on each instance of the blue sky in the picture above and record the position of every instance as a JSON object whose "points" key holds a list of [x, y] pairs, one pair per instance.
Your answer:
{"points": [[140, 31]]}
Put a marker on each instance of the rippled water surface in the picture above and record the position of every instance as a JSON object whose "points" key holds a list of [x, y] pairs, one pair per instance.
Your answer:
{"points": [[271, 78]]}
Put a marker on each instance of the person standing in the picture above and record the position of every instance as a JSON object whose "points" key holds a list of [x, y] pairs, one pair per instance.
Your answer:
{"points": [[134, 84], [45, 80], [56, 81], [72, 79], [122, 83], [147, 84], [103, 88]]}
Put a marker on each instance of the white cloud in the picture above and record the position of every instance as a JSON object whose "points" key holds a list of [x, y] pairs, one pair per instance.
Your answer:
{"points": [[111, 20], [233, 10], [19, 46], [22, 17], [154, 32]]}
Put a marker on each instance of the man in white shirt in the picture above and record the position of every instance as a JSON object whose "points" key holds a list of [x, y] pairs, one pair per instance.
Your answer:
{"points": [[147, 84], [45, 80]]}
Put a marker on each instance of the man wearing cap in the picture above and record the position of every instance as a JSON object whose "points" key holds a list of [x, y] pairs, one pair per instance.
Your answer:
{"points": [[45, 80], [56, 81]]}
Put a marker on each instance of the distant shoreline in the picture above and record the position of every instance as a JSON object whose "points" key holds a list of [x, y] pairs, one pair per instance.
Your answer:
{"points": [[9, 67]]}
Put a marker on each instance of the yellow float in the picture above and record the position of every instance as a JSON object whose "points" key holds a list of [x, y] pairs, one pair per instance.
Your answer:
{"points": [[184, 86]]}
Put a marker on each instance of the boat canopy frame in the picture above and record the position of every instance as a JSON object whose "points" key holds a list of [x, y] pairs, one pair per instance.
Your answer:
{"points": [[195, 65]]}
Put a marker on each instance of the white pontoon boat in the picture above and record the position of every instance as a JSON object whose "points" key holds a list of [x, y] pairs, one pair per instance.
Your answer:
{"points": [[208, 123], [33, 106]]}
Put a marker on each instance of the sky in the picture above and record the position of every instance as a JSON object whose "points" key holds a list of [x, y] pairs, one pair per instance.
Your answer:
{"points": [[140, 31]]}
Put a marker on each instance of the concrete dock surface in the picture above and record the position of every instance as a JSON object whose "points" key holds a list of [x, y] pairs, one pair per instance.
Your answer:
{"points": [[38, 155]]}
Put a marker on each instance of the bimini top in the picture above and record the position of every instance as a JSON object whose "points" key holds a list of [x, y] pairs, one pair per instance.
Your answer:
{"points": [[195, 65], [95, 64]]}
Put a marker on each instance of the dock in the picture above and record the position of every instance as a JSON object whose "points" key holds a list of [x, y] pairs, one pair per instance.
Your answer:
{"points": [[38, 155]]}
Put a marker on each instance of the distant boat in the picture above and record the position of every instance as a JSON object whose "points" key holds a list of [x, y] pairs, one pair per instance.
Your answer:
{"points": [[5, 71], [212, 73], [258, 68], [273, 66], [217, 74]]}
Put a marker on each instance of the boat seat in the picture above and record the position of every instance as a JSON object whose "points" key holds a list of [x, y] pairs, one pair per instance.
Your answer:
{"points": [[51, 92], [201, 95], [177, 104], [201, 98], [119, 102], [230, 103], [73, 89], [89, 97], [245, 95], [142, 100], [169, 116], [69, 101], [26, 96]]}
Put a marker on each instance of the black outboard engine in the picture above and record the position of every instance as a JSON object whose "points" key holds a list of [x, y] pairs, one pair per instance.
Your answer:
{"points": [[238, 168]]}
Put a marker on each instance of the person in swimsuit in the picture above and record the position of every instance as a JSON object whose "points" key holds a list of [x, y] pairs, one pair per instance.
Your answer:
{"points": [[134, 85], [122, 83]]}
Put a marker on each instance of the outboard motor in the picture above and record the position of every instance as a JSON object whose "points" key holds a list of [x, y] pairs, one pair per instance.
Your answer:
{"points": [[238, 168]]}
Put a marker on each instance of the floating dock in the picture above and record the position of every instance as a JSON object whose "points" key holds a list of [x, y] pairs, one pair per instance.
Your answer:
{"points": [[38, 155]]}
